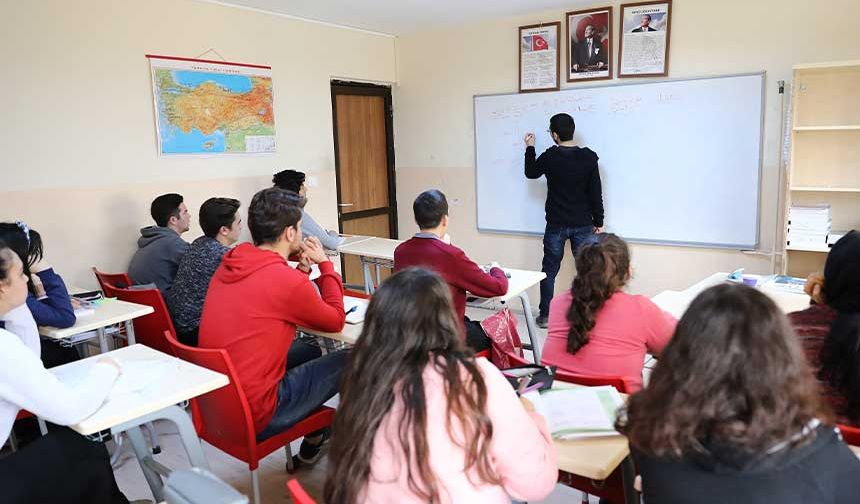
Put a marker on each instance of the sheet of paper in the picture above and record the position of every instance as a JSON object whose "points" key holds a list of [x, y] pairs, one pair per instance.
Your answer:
{"points": [[673, 302], [355, 316], [136, 376]]}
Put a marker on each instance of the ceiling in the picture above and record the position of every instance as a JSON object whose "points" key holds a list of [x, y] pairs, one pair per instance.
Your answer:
{"points": [[399, 17]]}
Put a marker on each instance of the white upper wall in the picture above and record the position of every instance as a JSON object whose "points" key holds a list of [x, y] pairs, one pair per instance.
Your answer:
{"points": [[76, 94], [400, 17]]}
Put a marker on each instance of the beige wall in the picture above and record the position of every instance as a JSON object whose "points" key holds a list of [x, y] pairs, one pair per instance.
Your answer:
{"points": [[79, 152], [440, 71]]}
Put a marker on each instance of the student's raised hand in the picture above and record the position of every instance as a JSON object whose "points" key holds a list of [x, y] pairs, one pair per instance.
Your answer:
{"points": [[314, 250], [529, 139], [814, 287]]}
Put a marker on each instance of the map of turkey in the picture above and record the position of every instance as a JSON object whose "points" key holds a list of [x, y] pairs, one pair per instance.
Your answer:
{"points": [[208, 112]]}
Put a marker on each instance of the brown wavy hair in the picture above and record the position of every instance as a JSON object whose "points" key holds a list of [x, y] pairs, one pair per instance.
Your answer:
{"points": [[733, 374], [409, 325], [602, 269]]}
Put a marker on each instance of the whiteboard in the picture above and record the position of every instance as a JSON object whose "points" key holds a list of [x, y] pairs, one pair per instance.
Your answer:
{"points": [[680, 160]]}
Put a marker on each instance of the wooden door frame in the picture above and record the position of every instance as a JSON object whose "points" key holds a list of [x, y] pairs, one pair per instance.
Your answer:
{"points": [[366, 89]]}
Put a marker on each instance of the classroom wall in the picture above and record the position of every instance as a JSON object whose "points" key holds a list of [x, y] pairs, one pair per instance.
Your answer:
{"points": [[440, 71], [78, 142]]}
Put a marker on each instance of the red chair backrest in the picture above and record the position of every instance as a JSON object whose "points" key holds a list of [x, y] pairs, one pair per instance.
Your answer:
{"points": [[148, 329], [298, 493], [120, 280], [851, 435], [222, 417], [618, 382]]}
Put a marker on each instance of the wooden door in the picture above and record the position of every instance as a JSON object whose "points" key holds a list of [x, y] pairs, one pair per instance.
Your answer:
{"points": [[364, 164]]}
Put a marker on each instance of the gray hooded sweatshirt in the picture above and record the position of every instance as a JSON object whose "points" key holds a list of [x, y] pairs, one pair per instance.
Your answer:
{"points": [[159, 250]]}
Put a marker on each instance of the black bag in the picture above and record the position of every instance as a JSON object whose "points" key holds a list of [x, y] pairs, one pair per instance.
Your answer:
{"points": [[524, 377]]}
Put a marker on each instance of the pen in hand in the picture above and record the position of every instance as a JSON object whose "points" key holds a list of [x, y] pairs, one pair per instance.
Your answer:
{"points": [[352, 309]]}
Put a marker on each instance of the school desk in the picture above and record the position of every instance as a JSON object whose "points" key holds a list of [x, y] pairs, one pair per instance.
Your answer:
{"points": [[107, 312], [676, 302], [518, 285], [157, 399]]}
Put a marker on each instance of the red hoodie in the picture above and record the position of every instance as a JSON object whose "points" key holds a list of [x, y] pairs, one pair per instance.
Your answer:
{"points": [[254, 303], [461, 273]]}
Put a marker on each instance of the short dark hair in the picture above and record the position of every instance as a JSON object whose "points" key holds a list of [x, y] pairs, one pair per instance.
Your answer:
{"points": [[563, 126], [291, 180], [647, 16], [217, 212], [272, 211], [164, 207], [429, 208]]}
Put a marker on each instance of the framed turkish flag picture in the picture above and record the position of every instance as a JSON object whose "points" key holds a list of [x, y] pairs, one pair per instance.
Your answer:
{"points": [[539, 57]]}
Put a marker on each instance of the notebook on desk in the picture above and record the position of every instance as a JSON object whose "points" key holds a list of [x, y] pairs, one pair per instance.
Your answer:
{"points": [[578, 412]]}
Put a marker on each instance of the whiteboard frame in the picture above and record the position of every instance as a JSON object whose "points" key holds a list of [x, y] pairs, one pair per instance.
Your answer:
{"points": [[729, 246]]}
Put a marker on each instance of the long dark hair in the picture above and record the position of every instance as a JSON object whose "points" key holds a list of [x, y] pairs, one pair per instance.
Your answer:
{"points": [[602, 268], [732, 375], [25, 242], [840, 355], [409, 325]]}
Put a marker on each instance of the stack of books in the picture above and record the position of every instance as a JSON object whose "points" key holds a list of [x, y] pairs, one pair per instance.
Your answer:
{"points": [[808, 227]]}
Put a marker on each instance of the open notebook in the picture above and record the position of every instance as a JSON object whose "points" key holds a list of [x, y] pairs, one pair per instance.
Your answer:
{"points": [[578, 412], [355, 309]]}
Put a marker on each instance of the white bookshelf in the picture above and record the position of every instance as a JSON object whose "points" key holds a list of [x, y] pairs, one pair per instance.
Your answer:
{"points": [[825, 153]]}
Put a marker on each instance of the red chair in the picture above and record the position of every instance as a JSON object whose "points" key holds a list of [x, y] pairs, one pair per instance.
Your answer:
{"points": [[223, 417], [851, 435], [114, 279], [298, 493], [148, 329]]}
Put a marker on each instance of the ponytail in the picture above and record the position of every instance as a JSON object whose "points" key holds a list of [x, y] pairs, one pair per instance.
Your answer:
{"points": [[602, 268]]}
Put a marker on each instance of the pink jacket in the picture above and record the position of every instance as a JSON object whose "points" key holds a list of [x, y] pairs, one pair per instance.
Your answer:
{"points": [[521, 449], [625, 329]]}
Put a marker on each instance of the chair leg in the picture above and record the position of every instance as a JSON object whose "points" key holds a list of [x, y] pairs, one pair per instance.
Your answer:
{"points": [[255, 483], [153, 437], [43, 427], [291, 468], [117, 439]]}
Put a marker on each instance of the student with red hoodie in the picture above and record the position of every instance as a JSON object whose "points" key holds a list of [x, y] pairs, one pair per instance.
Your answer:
{"points": [[431, 248], [254, 303]]}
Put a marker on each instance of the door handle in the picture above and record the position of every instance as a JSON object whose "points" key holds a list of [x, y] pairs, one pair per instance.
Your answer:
{"points": [[345, 204]]}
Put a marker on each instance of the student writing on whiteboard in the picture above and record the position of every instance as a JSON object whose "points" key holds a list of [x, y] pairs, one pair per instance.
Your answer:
{"points": [[574, 200]]}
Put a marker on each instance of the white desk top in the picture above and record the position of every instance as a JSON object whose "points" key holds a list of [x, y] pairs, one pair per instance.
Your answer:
{"points": [[107, 312], [520, 281], [376, 248], [180, 381], [348, 335], [676, 302]]}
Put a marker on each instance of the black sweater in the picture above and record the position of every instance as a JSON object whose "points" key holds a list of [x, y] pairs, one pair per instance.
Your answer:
{"points": [[821, 471], [574, 196]]}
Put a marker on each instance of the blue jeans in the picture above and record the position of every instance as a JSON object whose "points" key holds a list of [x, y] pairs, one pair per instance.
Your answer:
{"points": [[303, 389], [553, 251]]}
